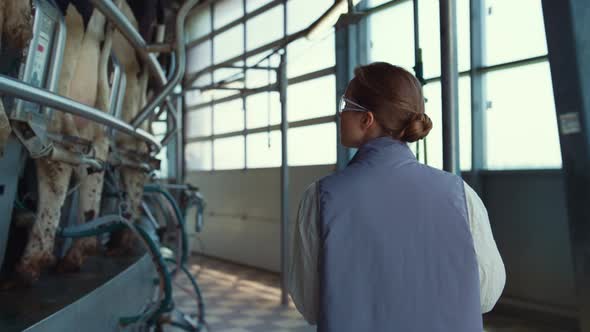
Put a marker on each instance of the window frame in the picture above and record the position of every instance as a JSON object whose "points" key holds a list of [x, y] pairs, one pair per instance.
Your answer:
{"points": [[476, 71], [245, 56]]}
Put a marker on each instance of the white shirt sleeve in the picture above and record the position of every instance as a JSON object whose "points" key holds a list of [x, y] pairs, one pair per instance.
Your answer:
{"points": [[303, 271], [492, 276], [303, 274]]}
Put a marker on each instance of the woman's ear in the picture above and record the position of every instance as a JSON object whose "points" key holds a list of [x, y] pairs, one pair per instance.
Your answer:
{"points": [[368, 120]]}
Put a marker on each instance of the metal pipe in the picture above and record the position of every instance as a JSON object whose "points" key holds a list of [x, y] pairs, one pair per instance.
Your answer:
{"points": [[382, 7], [124, 161], [449, 85], [242, 19], [109, 9], [171, 133], [170, 109], [180, 140], [272, 87], [296, 124], [172, 66], [117, 73], [160, 48], [177, 186], [160, 112], [178, 72], [276, 45], [211, 75], [33, 94], [266, 68], [477, 15], [245, 80], [115, 16], [75, 159], [283, 83], [416, 30], [214, 87], [120, 95], [418, 64]]}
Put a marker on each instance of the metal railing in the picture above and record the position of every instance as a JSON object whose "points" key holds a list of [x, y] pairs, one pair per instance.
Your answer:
{"points": [[113, 14], [180, 53], [40, 96]]}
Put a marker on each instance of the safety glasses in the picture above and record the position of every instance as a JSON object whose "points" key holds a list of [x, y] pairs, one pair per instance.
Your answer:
{"points": [[349, 105]]}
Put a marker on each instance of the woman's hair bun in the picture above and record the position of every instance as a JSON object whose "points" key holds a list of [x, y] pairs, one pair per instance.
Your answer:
{"points": [[419, 125]]}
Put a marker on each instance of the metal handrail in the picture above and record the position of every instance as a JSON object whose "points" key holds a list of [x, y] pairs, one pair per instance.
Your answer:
{"points": [[117, 92], [179, 70], [33, 94], [113, 14]]}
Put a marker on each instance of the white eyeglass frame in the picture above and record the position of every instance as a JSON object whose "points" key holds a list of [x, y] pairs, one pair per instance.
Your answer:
{"points": [[347, 105]]}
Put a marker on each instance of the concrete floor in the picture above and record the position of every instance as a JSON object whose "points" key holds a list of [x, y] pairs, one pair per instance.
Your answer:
{"points": [[244, 299]]}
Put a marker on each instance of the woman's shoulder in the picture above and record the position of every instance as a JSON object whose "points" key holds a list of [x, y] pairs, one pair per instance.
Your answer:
{"points": [[342, 177], [441, 174]]}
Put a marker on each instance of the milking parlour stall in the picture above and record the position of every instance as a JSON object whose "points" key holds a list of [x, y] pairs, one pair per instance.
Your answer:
{"points": [[93, 206]]}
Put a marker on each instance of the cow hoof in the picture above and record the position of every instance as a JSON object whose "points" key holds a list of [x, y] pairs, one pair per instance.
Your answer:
{"points": [[72, 262], [121, 243], [87, 246], [77, 254], [29, 269]]}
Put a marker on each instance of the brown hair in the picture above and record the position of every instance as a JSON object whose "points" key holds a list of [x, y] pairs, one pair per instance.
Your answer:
{"points": [[395, 97]]}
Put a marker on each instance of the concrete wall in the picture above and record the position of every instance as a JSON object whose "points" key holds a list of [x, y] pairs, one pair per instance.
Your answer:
{"points": [[242, 220], [529, 219]]}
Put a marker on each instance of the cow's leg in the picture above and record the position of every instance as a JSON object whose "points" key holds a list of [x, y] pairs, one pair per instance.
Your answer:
{"points": [[133, 181], [90, 197], [122, 242], [91, 185], [53, 179], [131, 178], [85, 79]]}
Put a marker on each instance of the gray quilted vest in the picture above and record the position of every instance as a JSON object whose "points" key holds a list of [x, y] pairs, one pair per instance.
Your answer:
{"points": [[396, 250]]}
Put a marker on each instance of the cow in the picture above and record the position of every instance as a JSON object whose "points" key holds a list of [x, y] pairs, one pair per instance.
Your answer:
{"points": [[90, 190], [144, 15], [80, 63], [84, 79], [132, 179]]}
